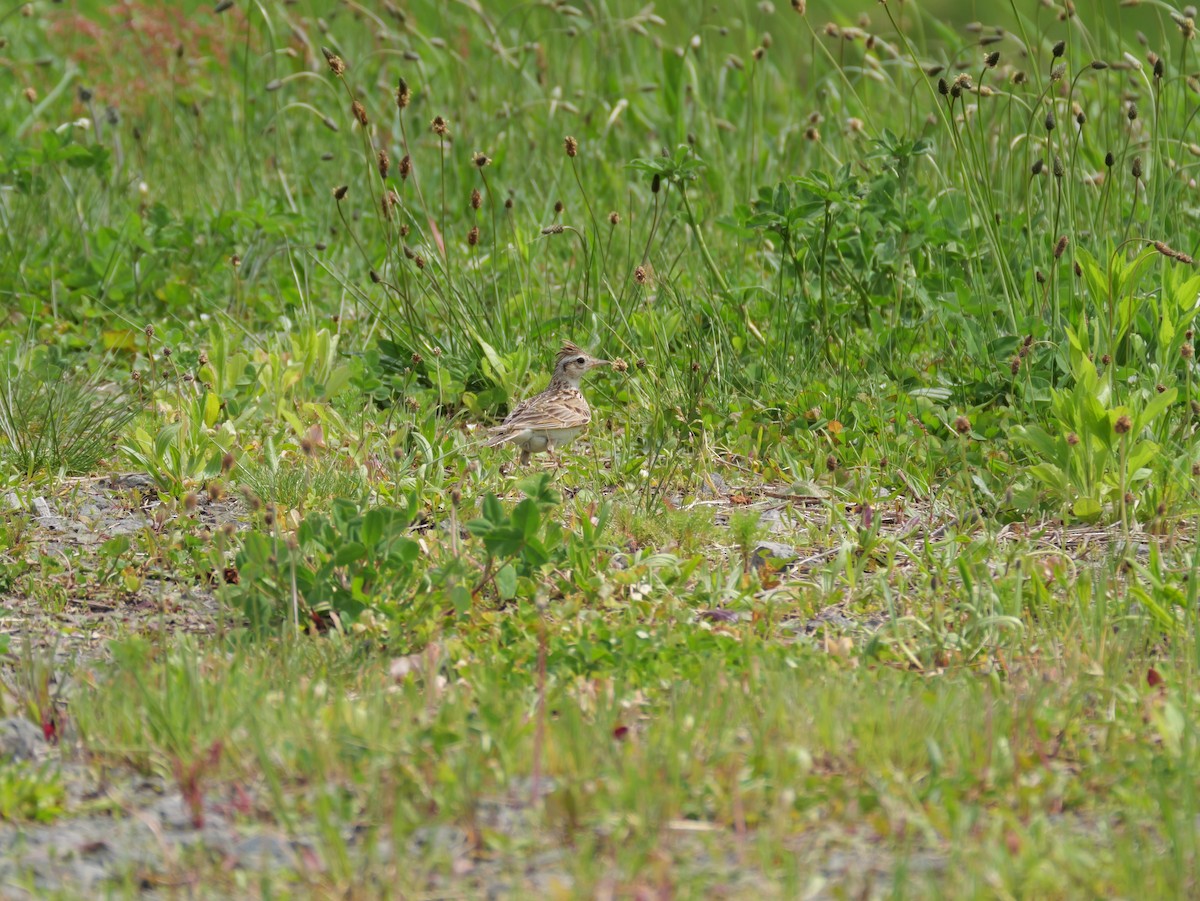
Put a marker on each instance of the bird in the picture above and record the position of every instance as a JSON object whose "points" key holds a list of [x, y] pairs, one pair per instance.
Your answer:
{"points": [[555, 417]]}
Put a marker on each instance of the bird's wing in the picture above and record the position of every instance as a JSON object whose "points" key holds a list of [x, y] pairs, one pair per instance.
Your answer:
{"points": [[560, 410]]}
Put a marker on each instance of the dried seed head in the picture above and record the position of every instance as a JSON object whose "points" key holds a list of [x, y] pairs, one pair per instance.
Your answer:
{"points": [[992, 59], [641, 275], [1058, 72], [473, 236], [800, 6], [619, 365], [1109, 159], [1049, 123], [812, 133], [404, 167], [1159, 69], [1099, 64], [403, 94], [556, 229], [385, 163], [1040, 276], [1072, 439], [508, 203], [831, 463], [480, 159], [962, 425], [374, 276], [420, 261], [476, 199], [655, 183], [1058, 166], [1037, 167], [1132, 113], [439, 126], [571, 146], [336, 65], [943, 88], [360, 113], [339, 192], [1057, 50], [1122, 425], [1136, 168], [1014, 365], [1061, 246], [227, 463], [614, 217], [558, 207]]}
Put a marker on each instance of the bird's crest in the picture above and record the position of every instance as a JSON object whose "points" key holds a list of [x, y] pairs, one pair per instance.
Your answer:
{"points": [[568, 350]]}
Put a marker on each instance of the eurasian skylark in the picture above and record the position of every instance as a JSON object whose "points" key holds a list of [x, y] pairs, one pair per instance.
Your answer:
{"points": [[556, 416]]}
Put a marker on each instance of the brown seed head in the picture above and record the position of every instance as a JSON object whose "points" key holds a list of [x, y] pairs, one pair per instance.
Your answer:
{"points": [[476, 199], [480, 159], [641, 275], [336, 65], [473, 236], [1061, 246], [385, 162], [1122, 425], [439, 126], [571, 146], [403, 94], [620, 365], [404, 167], [831, 463], [614, 217], [992, 59], [30, 95], [359, 112], [1057, 50], [339, 193], [1136, 168], [962, 425], [227, 463], [1187, 351], [1072, 439], [558, 207]]}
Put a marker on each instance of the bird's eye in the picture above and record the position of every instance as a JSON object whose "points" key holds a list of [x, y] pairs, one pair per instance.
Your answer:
{"points": [[581, 360]]}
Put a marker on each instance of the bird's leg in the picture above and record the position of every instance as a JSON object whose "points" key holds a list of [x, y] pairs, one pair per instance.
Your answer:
{"points": [[524, 456], [553, 456]]}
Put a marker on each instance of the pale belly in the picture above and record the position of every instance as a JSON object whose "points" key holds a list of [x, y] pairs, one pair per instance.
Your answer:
{"points": [[536, 442]]}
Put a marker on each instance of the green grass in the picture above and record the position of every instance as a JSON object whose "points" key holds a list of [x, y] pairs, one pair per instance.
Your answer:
{"points": [[923, 314]]}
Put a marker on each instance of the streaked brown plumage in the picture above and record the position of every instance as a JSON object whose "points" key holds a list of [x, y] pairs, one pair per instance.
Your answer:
{"points": [[556, 416]]}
